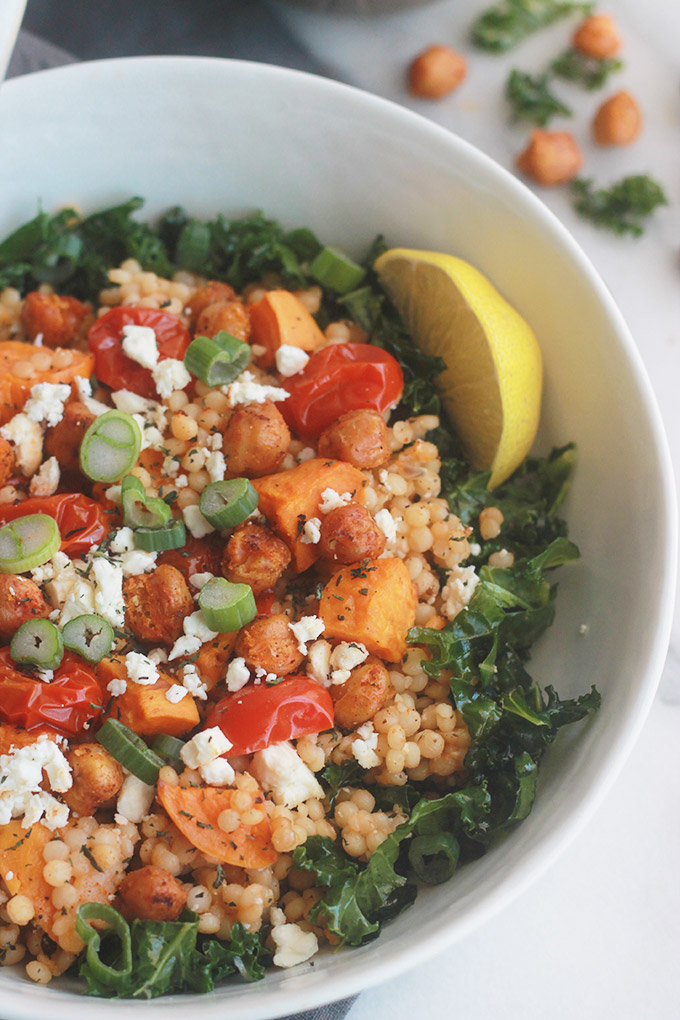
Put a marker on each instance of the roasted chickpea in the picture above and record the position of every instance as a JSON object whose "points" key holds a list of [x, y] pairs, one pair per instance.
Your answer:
{"points": [[63, 441], [618, 121], [552, 157], [436, 72], [269, 643], [598, 36], [20, 600], [358, 437], [349, 533], [151, 894], [156, 604], [368, 689], [7, 461], [57, 318], [210, 294], [97, 779], [230, 316], [256, 439], [255, 556]]}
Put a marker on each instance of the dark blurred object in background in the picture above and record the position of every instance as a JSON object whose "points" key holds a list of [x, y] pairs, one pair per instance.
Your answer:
{"points": [[369, 7], [245, 29]]}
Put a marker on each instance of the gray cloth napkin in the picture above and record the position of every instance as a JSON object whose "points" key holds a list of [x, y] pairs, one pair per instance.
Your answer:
{"points": [[33, 53]]}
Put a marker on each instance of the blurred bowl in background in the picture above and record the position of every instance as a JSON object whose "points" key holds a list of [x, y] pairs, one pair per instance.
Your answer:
{"points": [[367, 7]]}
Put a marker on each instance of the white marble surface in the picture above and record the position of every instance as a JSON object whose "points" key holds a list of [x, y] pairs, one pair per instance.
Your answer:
{"points": [[599, 935]]}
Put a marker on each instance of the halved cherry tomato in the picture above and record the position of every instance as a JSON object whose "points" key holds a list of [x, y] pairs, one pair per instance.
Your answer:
{"points": [[82, 522], [340, 378], [259, 716], [71, 699], [113, 367]]}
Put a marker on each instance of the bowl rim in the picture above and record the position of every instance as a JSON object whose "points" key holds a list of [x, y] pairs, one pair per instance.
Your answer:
{"points": [[550, 845]]}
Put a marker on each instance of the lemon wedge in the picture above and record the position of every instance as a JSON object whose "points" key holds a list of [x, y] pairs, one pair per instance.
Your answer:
{"points": [[491, 388]]}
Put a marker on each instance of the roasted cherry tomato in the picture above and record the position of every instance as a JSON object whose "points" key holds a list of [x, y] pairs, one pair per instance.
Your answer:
{"points": [[196, 556], [71, 699], [259, 716], [264, 602], [340, 378], [82, 522], [113, 367]]}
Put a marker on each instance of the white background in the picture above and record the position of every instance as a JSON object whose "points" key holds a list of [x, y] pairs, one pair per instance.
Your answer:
{"points": [[599, 935]]}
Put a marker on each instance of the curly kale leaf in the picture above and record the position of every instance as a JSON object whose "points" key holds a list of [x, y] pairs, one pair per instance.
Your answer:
{"points": [[510, 22], [622, 206], [531, 99]]}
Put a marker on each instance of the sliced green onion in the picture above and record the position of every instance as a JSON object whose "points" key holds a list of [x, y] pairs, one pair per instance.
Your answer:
{"points": [[126, 747], [169, 749], [89, 635], [335, 270], [226, 504], [37, 643], [227, 607], [110, 447], [193, 245], [217, 361], [28, 542], [172, 535], [140, 510], [434, 857], [109, 976]]}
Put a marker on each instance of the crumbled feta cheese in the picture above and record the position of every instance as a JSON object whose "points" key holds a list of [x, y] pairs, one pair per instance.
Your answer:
{"points": [[458, 590], [311, 531], [196, 522], [137, 561], [67, 590], [331, 500], [108, 590], [305, 454], [348, 655], [204, 747], [158, 655], [170, 375], [238, 675], [309, 628], [319, 661], [84, 386], [200, 580], [117, 686], [175, 693], [46, 403], [135, 799], [195, 626], [215, 441], [293, 945], [193, 683], [152, 438], [140, 669], [340, 676], [215, 465], [475, 548], [387, 525], [281, 771], [364, 746], [139, 343], [184, 646], [181, 481], [132, 403], [27, 438], [246, 390], [45, 481], [290, 360], [45, 675], [217, 773], [21, 778], [123, 540], [171, 467]]}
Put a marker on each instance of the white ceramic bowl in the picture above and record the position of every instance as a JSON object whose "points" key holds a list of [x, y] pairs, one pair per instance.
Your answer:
{"points": [[216, 135]]}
